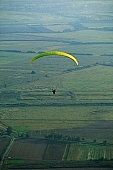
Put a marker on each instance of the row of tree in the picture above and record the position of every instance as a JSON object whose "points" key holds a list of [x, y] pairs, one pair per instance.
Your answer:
{"points": [[55, 136]]}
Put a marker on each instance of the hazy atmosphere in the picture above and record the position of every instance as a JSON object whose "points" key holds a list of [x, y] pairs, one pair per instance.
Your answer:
{"points": [[55, 113]]}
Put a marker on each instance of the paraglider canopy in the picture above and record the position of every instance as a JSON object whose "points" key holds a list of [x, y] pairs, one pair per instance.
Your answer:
{"points": [[59, 53]]}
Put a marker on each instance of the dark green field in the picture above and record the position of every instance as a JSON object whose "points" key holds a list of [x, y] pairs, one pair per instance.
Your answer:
{"points": [[83, 103]]}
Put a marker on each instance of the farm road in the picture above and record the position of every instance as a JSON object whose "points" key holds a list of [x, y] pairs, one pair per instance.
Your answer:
{"points": [[6, 152]]}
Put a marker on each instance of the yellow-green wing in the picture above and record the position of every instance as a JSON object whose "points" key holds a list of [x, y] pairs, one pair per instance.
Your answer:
{"points": [[54, 53]]}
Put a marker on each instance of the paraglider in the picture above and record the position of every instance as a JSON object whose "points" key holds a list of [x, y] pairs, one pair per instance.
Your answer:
{"points": [[59, 53], [54, 91]]}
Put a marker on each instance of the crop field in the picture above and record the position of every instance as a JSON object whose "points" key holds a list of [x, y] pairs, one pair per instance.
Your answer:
{"points": [[3, 144], [31, 150], [28, 150], [54, 151], [89, 152]]}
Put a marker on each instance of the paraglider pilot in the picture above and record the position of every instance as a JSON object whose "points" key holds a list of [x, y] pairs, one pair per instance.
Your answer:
{"points": [[54, 91]]}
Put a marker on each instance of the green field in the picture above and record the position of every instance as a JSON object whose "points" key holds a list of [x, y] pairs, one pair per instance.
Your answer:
{"points": [[14, 161], [81, 96], [89, 152]]}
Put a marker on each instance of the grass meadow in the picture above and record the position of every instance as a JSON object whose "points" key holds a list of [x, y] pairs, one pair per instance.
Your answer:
{"points": [[83, 95]]}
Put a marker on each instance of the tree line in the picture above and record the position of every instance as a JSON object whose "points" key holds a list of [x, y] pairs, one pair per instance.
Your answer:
{"points": [[55, 136]]}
